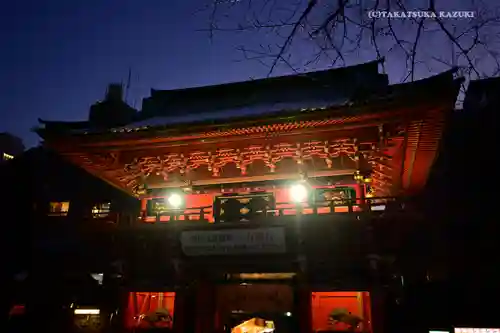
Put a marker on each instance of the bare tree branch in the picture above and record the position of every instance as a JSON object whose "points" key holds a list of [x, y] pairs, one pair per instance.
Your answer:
{"points": [[414, 50], [301, 34], [289, 39]]}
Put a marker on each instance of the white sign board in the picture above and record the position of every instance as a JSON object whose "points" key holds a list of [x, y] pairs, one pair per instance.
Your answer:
{"points": [[234, 242]]}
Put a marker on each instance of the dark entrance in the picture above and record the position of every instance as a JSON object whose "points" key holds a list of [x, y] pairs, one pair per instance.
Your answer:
{"points": [[271, 302], [274, 322]]}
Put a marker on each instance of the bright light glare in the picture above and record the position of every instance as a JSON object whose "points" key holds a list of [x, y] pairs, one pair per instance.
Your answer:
{"points": [[298, 193], [175, 200], [87, 311], [288, 314], [7, 156]]}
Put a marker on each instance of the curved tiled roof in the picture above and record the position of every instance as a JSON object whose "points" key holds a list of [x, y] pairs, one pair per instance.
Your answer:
{"points": [[266, 118], [255, 97]]}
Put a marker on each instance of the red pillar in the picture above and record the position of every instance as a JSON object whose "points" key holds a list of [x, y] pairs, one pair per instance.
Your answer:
{"points": [[304, 308], [367, 311], [361, 194], [377, 311], [124, 318], [180, 315], [144, 208], [218, 328], [358, 189], [205, 303]]}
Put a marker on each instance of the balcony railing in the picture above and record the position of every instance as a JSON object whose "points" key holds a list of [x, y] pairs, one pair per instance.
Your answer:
{"points": [[349, 206], [72, 221]]}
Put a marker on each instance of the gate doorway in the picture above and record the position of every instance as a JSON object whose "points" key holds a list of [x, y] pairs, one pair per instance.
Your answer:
{"points": [[270, 304]]}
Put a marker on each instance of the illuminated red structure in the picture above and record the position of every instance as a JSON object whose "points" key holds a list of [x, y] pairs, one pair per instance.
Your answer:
{"points": [[259, 198]]}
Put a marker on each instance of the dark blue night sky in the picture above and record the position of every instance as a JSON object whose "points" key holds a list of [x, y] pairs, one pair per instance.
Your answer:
{"points": [[57, 56]]}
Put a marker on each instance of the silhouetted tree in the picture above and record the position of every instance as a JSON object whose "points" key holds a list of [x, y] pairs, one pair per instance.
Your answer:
{"points": [[416, 37]]}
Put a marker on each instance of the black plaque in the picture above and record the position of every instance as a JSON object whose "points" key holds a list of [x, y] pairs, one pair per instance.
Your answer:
{"points": [[242, 207]]}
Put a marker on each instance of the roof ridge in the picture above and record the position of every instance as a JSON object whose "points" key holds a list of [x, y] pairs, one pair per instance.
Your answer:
{"points": [[309, 75]]}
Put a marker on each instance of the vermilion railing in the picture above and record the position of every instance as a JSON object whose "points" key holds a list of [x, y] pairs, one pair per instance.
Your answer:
{"points": [[349, 206]]}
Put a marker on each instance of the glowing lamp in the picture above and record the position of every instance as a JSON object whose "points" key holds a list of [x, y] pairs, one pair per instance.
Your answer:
{"points": [[298, 193], [87, 311], [175, 200]]}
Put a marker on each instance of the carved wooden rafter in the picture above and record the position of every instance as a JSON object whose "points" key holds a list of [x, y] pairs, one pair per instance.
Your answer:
{"points": [[98, 161], [214, 161], [134, 175], [105, 165], [380, 160]]}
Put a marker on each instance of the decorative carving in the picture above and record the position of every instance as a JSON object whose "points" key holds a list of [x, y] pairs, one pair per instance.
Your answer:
{"points": [[101, 161], [134, 175], [214, 161], [379, 158]]}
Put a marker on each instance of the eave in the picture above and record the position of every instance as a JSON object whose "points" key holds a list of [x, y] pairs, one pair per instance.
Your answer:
{"points": [[422, 114], [328, 119]]}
